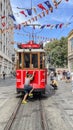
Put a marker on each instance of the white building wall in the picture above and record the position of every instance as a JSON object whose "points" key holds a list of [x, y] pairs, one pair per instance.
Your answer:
{"points": [[6, 37], [70, 51]]}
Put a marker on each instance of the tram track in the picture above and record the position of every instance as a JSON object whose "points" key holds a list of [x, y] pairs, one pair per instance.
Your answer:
{"points": [[43, 118], [43, 121], [10, 121]]}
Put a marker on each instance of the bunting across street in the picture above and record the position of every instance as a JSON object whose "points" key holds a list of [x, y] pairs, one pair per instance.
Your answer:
{"points": [[46, 8], [56, 3]]}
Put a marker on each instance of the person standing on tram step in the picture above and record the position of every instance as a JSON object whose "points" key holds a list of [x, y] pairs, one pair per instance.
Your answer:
{"points": [[3, 73], [27, 88]]}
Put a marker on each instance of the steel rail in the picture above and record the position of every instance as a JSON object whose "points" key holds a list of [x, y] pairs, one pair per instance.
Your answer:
{"points": [[43, 117], [11, 119]]}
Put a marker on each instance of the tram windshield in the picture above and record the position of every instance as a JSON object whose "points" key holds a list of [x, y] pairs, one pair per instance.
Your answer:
{"points": [[30, 60], [34, 60], [27, 60]]}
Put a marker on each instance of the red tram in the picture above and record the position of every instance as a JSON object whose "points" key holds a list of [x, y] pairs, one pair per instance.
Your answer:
{"points": [[31, 57]]}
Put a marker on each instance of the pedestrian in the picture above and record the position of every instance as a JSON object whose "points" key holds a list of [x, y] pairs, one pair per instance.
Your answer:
{"points": [[51, 75], [27, 88], [11, 73], [54, 84], [3, 75], [64, 74], [59, 75], [68, 76], [55, 75]]}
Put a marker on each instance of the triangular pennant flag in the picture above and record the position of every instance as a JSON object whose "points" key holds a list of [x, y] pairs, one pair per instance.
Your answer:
{"points": [[15, 26], [3, 24], [33, 26], [29, 21], [60, 25], [3, 17], [67, 24], [34, 10], [42, 26], [29, 11], [56, 26], [25, 23], [47, 12], [43, 13], [39, 15], [41, 6], [56, 3], [49, 5], [12, 16], [22, 12], [48, 25], [51, 26], [19, 26], [33, 19]]}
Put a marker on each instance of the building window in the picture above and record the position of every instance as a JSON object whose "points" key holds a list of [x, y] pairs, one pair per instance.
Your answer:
{"points": [[0, 45], [4, 48], [0, 68]]}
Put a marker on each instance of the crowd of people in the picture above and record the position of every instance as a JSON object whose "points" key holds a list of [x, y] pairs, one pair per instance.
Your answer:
{"points": [[61, 75]]}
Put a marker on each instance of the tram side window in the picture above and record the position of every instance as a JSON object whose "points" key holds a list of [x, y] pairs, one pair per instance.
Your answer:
{"points": [[27, 60], [20, 61], [41, 60], [35, 60]]}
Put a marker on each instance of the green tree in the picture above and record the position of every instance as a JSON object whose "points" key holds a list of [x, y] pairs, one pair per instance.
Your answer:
{"points": [[58, 51]]}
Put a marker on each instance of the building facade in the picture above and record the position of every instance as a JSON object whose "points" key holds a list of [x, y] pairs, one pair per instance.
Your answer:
{"points": [[70, 51], [6, 37]]}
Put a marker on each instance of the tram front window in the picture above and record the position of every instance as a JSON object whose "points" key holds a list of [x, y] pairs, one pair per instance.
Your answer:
{"points": [[27, 60], [35, 60], [42, 60]]}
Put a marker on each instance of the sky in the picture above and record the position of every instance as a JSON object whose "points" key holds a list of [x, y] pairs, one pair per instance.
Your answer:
{"points": [[62, 15]]}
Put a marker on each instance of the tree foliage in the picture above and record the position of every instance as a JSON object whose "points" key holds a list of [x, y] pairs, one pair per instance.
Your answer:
{"points": [[58, 51]]}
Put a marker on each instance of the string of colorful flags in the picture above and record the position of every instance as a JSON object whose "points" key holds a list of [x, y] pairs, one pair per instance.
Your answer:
{"points": [[34, 36], [45, 11], [49, 26]]}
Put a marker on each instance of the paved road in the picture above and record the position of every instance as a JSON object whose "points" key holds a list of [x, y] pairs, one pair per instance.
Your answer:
{"points": [[58, 105], [8, 100]]}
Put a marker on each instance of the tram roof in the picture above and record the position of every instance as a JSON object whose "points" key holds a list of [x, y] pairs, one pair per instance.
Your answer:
{"points": [[30, 50]]}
